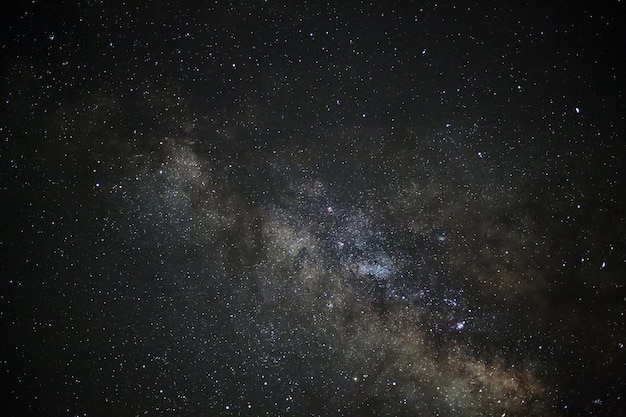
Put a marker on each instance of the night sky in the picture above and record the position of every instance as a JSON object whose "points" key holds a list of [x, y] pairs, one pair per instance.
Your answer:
{"points": [[289, 208]]}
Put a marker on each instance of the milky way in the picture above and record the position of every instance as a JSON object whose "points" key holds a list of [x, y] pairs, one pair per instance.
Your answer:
{"points": [[305, 209], [372, 295]]}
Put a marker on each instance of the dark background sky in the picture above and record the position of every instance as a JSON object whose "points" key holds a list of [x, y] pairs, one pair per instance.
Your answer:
{"points": [[312, 208]]}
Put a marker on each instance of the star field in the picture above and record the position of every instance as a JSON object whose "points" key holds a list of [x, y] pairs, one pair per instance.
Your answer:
{"points": [[312, 209]]}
